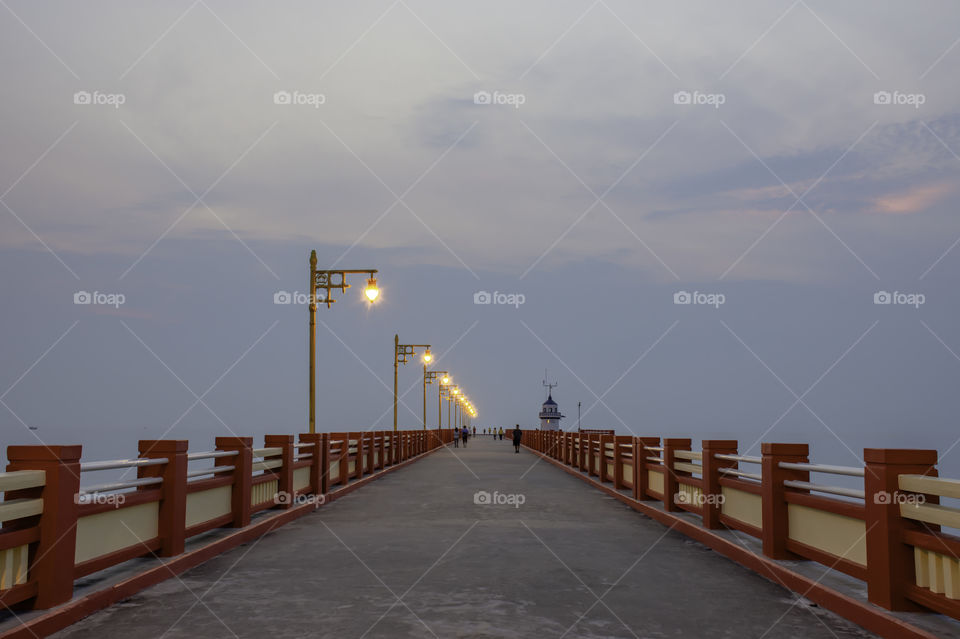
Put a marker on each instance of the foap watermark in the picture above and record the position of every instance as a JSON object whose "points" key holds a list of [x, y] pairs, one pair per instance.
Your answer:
{"points": [[101, 499], [698, 298], [897, 497], [298, 98], [503, 299], [898, 298], [699, 499], [296, 297], [97, 298], [283, 498], [899, 98], [496, 498], [699, 98], [516, 100], [99, 98]]}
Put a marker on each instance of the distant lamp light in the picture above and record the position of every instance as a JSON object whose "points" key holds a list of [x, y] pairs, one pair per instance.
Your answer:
{"points": [[445, 380], [427, 356], [372, 292]]}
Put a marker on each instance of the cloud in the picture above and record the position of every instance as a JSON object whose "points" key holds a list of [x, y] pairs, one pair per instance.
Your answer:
{"points": [[915, 199]]}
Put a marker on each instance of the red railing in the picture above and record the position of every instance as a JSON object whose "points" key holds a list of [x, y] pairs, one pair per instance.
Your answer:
{"points": [[55, 531], [887, 534]]}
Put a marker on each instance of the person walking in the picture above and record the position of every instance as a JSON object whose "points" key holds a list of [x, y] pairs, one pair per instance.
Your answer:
{"points": [[456, 439], [501, 433], [464, 435], [517, 436]]}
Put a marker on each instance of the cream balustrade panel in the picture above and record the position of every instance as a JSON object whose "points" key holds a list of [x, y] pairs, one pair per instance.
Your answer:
{"points": [[113, 530], [13, 566], [301, 478], [838, 535], [742, 506], [205, 505], [940, 573], [655, 481]]}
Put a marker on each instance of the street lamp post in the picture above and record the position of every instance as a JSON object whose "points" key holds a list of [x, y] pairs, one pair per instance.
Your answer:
{"points": [[400, 354], [452, 400], [441, 378], [328, 280]]}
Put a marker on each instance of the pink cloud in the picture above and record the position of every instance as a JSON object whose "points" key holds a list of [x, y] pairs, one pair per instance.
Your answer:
{"points": [[914, 200]]}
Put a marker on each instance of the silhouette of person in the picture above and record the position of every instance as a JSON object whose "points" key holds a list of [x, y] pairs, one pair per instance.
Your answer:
{"points": [[517, 436]]}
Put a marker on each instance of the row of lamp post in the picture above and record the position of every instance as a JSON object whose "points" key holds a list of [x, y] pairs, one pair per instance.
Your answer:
{"points": [[323, 283]]}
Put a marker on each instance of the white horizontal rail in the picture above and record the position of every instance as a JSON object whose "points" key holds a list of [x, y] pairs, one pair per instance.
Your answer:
{"points": [[931, 485], [267, 452], [267, 465], [121, 463], [820, 488], [851, 471], [741, 474], [655, 459], [20, 479], [213, 454], [209, 471], [120, 485], [740, 458], [19, 508]]}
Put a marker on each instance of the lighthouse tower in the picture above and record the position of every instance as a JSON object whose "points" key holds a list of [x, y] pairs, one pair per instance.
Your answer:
{"points": [[549, 413]]}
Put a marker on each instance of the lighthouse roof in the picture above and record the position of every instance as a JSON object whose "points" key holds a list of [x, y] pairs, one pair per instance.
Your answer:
{"points": [[550, 401]]}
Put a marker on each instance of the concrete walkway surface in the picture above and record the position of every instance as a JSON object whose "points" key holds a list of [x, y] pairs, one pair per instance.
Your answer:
{"points": [[413, 555]]}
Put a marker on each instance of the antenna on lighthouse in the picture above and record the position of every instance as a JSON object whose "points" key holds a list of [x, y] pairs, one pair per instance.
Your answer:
{"points": [[549, 386]]}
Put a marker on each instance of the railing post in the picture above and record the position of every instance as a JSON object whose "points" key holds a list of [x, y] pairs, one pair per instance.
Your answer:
{"points": [[172, 520], [641, 475], [775, 520], [242, 464], [712, 491], [284, 473], [382, 436], [604, 473], [357, 456], [344, 464], [52, 564], [371, 452], [618, 464], [320, 462], [890, 562], [584, 452], [670, 484], [591, 454]]}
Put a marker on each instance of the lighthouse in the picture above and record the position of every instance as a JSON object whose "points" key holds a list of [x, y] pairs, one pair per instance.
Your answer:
{"points": [[549, 413]]}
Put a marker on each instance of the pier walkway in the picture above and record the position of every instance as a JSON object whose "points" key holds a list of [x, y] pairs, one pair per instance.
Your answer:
{"points": [[414, 555]]}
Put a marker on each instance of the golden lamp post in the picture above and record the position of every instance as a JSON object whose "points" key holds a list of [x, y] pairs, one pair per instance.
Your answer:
{"points": [[440, 378], [445, 393], [451, 401], [400, 354], [327, 281]]}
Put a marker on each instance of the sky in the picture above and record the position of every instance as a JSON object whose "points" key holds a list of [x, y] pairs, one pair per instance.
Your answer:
{"points": [[702, 220]]}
